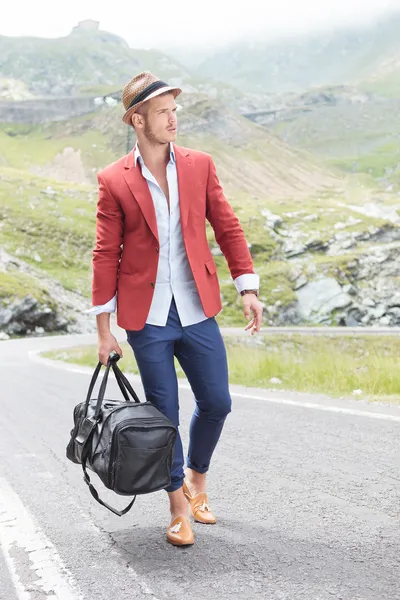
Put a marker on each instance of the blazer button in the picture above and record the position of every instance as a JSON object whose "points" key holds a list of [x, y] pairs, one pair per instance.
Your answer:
{"points": [[152, 283], [157, 249]]}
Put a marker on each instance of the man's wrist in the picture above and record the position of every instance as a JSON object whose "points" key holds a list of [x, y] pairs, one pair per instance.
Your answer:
{"points": [[244, 292], [104, 334], [103, 325]]}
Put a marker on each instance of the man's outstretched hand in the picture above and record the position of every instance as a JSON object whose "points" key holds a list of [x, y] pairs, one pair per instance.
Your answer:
{"points": [[253, 306]]}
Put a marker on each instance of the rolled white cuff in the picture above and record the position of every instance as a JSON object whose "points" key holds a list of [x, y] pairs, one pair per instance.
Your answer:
{"points": [[249, 281], [109, 307]]}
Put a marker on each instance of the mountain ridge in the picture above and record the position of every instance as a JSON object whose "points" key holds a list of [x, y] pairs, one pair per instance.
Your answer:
{"points": [[345, 55], [82, 60]]}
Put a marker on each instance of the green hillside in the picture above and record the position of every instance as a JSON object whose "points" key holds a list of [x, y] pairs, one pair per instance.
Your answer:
{"points": [[289, 204], [49, 225], [314, 177], [384, 78], [356, 135], [269, 167]]}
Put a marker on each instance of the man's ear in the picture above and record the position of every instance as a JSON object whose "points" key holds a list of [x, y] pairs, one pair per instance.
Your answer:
{"points": [[137, 120]]}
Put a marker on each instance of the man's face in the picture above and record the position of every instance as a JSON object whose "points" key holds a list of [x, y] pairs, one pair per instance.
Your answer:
{"points": [[159, 122]]}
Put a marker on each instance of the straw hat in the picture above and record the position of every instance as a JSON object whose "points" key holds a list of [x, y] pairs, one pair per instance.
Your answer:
{"points": [[141, 88]]}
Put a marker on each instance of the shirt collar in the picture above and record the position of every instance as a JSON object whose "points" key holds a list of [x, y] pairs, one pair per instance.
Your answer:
{"points": [[137, 156]]}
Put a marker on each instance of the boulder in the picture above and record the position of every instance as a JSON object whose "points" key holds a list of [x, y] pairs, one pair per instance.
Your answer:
{"points": [[273, 221], [320, 298], [23, 315], [300, 282]]}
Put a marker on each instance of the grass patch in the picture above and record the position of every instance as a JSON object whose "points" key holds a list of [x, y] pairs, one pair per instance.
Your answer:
{"points": [[19, 285], [383, 163], [387, 85], [50, 228], [340, 267], [276, 283], [356, 138], [24, 146], [330, 365]]}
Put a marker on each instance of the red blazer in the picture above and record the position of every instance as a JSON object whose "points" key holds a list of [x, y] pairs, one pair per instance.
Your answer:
{"points": [[125, 258]]}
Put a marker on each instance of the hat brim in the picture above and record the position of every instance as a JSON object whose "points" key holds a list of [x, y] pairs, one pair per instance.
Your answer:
{"points": [[127, 118]]}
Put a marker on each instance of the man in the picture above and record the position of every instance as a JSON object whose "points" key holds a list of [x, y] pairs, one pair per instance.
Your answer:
{"points": [[152, 261]]}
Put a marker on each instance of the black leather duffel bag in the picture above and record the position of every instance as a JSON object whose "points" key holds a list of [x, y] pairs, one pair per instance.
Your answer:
{"points": [[129, 444]]}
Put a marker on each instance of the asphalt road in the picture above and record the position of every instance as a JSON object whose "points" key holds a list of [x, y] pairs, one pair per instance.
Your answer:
{"points": [[306, 490]]}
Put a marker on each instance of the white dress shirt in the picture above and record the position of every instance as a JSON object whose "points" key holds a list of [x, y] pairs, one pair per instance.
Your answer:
{"points": [[174, 275]]}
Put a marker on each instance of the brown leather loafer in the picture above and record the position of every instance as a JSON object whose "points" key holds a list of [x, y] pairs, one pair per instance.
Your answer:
{"points": [[180, 533], [199, 507]]}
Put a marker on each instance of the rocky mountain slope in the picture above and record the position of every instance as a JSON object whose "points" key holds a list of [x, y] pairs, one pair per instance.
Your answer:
{"points": [[48, 192], [352, 130], [359, 134], [313, 178], [317, 248]]}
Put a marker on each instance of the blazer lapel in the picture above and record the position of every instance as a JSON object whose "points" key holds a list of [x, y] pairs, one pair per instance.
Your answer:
{"points": [[186, 183], [140, 190]]}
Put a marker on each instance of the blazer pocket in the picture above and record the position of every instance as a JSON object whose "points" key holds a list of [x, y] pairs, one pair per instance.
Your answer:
{"points": [[210, 266]]}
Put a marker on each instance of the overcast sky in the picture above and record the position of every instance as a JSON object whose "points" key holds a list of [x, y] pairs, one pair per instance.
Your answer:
{"points": [[161, 23]]}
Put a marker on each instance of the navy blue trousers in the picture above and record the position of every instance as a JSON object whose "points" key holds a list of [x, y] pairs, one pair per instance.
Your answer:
{"points": [[200, 351]]}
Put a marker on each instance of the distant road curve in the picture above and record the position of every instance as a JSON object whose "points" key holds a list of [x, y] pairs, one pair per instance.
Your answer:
{"points": [[68, 341], [334, 331]]}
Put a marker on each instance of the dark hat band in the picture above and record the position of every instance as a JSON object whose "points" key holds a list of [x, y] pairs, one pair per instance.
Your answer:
{"points": [[146, 92]]}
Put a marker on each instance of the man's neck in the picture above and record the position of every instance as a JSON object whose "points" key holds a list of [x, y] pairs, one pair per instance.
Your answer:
{"points": [[154, 156]]}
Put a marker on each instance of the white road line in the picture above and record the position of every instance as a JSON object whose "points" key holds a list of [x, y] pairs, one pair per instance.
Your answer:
{"points": [[326, 408], [34, 565], [35, 356], [312, 405]]}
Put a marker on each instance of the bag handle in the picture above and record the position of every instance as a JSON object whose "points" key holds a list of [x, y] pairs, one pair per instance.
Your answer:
{"points": [[91, 386], [124, 383], [103, 385], [120, 385], [102, 390]]}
